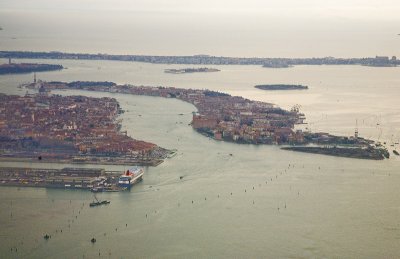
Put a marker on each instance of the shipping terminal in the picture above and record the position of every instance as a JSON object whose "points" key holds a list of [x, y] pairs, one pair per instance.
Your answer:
{"points": [[93, 179]]}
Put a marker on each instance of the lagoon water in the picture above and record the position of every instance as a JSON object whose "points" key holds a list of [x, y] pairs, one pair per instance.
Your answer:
{"points": [[233, 200]]}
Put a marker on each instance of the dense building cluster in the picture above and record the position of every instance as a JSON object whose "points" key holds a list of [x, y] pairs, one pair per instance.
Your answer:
{"points": [[220, 115], [70, 124], [241, 120]]}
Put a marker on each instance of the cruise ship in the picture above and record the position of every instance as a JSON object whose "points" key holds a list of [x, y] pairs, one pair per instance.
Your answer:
{"points": [[130, 177]]}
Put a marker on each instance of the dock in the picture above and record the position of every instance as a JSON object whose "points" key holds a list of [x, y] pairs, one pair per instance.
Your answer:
{"points": [[66, 178]]}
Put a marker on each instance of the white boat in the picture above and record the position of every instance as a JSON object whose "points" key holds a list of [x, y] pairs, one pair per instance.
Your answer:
{"points": [[130, 177]]}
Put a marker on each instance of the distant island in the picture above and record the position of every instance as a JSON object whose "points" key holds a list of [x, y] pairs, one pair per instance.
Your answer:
{"points": [[20, 68], [277, 65], [191, 70], [235, 119], [281, 87]]}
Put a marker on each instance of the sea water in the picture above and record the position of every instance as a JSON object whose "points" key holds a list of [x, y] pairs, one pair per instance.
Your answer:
{"points": [[217, 199]]}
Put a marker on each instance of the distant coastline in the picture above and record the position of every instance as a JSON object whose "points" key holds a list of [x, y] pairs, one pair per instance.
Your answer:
{"points": [[208, 60], [275, 87]]}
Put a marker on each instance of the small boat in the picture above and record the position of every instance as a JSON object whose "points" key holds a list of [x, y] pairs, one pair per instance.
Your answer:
{"points": [[98, 203], [93, 204]]}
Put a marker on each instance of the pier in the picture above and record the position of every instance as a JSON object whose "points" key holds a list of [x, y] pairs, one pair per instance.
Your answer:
{"points": [[66, 178]]}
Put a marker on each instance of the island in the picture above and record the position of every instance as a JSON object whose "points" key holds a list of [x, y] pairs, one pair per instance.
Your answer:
{"points": [[191, 70], [277, 64], [19, 68], [281, 87], [350, 152], [235, 119], [69, 129]]}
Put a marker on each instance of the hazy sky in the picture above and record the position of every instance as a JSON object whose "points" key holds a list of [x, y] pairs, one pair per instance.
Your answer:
{"points": [[350, 8], [289, 28]]}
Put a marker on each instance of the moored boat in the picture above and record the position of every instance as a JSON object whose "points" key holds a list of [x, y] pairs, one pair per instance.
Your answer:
{"points": [[130, 177]]}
